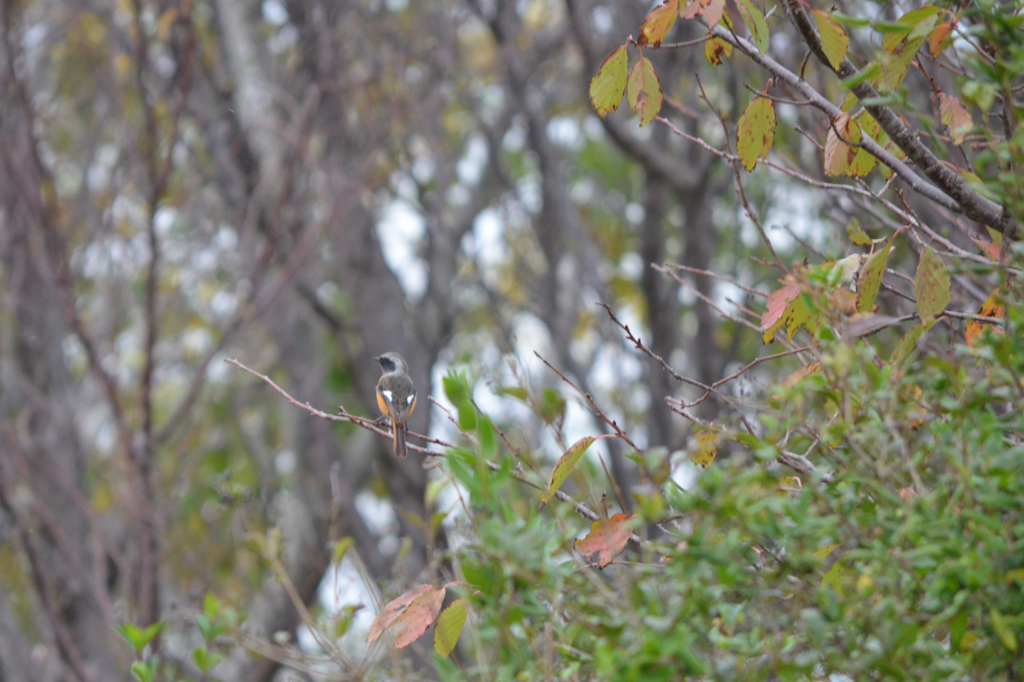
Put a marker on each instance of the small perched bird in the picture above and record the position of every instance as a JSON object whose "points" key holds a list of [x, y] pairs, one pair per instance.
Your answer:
{"points": [[396, 396]]}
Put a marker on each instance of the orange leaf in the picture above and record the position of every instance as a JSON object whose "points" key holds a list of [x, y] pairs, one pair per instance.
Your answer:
{"points": [[938, 38], [398, 609], [992, 307], [795, 377], [607, 538]]}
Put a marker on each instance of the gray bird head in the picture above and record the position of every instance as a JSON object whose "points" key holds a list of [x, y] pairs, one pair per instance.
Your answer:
{"points": [[392, 362]]}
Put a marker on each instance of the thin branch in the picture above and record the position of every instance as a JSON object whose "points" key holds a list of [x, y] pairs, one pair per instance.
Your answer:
{"points": [[600, 413]]}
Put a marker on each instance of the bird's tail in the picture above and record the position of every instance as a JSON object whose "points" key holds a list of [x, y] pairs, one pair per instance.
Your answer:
{"points": [[400, 449]]}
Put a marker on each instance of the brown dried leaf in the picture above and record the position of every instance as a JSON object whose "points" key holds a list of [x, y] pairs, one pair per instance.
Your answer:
{"points": [[607, 538], [839, 154]]}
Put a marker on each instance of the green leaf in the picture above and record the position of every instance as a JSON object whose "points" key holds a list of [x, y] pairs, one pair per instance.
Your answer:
{"points": [[834, 41], [833, 578], [341, 548], [208, 627], [607, 86], [145, 672], [643, 91], [856, 234], [756, 24], [467, 416], [868, 73], [1003, 630], [551, 407], [456, 387], [140, 637], [870, 279], [756, 131], [931, 285], [910, 22], [908, 343], [515, 391], [565, 464], [488, 438], [205, 659], [895, 68], [449, 627]]}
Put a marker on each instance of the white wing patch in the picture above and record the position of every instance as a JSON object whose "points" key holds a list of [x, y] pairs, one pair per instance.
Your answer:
{"points": [[387, 394], [408, 401]]}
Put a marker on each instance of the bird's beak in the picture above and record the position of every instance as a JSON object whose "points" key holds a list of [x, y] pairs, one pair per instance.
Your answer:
{"points": [[377, 358]]}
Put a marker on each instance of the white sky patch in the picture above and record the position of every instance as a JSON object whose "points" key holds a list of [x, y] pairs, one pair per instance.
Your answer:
{"points": [[529, 335], [340, 587], [163, 220], [274, 12], [398, 230], [799, 208], [635, 213], [565, 132], [488, 241], [514, 139], [528, 191], [684, 471], [470, 167], [602, 18]]}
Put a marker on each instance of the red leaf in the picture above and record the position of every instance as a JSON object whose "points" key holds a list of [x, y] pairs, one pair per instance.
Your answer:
{"points": [[778, 301], [607, 538], [409, 612]]}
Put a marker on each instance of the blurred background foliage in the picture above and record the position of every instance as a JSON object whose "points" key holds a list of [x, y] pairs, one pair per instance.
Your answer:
{"points": [[304, 185]]}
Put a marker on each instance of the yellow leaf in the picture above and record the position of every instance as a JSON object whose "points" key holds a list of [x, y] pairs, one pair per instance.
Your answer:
{"points": [[715, 49], [955, 117], [834, 41], [609, 84], [643, 91], [755, 133], [707, 447], [931, 285], [657, 23], [449, 627]]}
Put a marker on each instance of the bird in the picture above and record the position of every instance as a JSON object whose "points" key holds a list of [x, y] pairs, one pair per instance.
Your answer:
{"points": [[396, 396]]}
